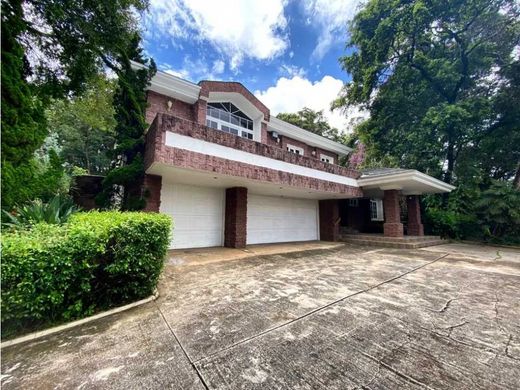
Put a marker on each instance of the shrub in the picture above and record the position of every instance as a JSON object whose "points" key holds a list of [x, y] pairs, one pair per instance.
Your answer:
{"points": [[57, 211], [54, 273]]}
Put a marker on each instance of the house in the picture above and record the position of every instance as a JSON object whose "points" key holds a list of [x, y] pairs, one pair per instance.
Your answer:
{"points": [[231, 174]]}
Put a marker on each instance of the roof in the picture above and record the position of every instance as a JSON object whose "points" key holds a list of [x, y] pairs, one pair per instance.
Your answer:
{"points": [[375, 172]]}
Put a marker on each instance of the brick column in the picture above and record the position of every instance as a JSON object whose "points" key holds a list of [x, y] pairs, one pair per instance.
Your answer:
{"points": [[415, 227], [152, 192], [235, 226], [392, 226], [199, 111], [329, 220]]}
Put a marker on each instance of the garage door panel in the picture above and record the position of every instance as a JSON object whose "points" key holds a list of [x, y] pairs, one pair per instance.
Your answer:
{"points": [[197, 212], [276, 219]]}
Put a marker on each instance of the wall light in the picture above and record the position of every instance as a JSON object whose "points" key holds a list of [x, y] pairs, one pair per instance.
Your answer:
{"points": [[169, 104]]}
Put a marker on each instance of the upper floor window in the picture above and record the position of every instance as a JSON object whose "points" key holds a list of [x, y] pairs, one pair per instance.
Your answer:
{"points": [[227, 117], [295, 149], [327, 159]]}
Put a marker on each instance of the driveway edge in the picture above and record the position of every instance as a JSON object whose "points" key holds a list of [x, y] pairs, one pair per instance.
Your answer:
{"points": [[70, 325]]}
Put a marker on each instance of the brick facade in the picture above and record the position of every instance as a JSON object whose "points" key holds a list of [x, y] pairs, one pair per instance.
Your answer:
{"points": [[235, 225], [152, 190], [329, 220], [392, 226], [158, 152], [158, 103], [415, 226]]}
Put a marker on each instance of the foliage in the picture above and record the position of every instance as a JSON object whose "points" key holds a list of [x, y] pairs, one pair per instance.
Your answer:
{"points": [[123, 182], [55, 273], [23, 121], [57, 211], [313, 121], [84, 126], [441, 83]]}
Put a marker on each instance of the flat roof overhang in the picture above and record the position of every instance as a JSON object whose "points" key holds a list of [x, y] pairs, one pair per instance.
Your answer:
{"points": [[410, 182]]}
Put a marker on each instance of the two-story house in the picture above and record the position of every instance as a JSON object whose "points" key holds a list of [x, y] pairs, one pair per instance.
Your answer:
{"points": [[230, 174]]}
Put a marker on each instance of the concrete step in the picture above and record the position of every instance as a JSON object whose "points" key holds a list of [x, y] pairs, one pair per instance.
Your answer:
{"points": [[375, 237], [395, 243]]}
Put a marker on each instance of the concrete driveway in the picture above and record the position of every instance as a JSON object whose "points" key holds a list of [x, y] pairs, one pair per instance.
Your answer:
{"points": [[445, 317]]}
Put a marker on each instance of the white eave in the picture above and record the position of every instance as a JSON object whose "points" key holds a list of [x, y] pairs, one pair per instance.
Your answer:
{"points": [[299, 134], [173, 86], [410, 182]]}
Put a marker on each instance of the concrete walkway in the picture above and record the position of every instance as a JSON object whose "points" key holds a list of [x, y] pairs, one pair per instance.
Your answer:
{"points": [[335, 318]]}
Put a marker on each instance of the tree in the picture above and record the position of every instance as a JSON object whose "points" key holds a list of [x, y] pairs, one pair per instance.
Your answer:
{"points": [[123, 184], [435, 76], [311, 120], [49, 49], [85, 126]]}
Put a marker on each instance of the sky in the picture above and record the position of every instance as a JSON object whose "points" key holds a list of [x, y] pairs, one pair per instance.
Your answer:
{"points": [[284, 51]]}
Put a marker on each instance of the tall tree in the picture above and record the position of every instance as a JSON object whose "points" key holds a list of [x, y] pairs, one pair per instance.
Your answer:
{"points": [[123, 184], [49, 49], [434, 75], [85, 126]]}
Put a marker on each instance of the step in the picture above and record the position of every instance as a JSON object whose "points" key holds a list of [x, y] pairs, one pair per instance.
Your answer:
{"points": [[384, 238], [396, 244]]}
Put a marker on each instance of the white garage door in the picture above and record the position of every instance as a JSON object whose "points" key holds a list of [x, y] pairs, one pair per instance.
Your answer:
{"points": [[275, 219], [197, 212]]}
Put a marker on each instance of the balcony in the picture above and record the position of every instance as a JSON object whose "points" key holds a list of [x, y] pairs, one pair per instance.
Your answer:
{"points": [[181, 148]]}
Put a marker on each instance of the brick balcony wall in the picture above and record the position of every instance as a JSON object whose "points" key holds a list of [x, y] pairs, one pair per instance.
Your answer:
{"points": [[157, 151]]}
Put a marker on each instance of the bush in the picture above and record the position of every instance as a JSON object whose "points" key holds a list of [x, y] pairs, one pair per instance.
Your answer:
{"points": [[57, 211], [97, 260]]}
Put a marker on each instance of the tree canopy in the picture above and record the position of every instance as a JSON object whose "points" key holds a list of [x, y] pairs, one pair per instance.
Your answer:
{"points": [[313, 121], [440, 79]]}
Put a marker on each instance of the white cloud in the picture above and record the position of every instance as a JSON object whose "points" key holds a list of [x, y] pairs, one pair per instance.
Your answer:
{"points": [[291, 70], [331, 17], [218, 67], [237, 29], [291, 95]]}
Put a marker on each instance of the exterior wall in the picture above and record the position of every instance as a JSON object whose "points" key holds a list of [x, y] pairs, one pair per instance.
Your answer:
{"points": [[235, 225], [329, 220], [158, 103], [152, 187], [357, 219], [157, 151]]}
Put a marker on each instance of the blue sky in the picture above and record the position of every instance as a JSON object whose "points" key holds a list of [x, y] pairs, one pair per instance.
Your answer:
{"points": [[284, 51]]}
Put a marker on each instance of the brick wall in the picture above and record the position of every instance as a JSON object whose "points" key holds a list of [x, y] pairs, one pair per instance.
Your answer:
{"points": [[158, 103], [235, 226], [329, 220], [152, 185]]}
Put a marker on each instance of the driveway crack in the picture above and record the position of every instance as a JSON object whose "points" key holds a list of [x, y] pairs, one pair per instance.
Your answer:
{"points": [[194, 367], [319, 309]]}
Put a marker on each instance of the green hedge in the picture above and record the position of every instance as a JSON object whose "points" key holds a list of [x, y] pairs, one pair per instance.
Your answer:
{"points": [[97, 260]]}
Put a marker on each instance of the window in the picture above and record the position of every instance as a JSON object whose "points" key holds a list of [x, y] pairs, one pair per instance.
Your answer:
{"points": [[376, 210], [295, 149], [229, 119], [353, 202], [327, 159]]}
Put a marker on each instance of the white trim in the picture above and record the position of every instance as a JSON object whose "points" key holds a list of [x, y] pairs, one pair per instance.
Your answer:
{"points": [[212, 149], [173, 86], [293, 149], [307, 137], [392, 180], [326, 158]]}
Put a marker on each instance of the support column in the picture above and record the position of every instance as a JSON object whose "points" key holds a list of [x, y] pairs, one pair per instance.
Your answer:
{"points": [[329, 220], [392, 226], [152, 192], [235, 226], [415, 227]]}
